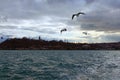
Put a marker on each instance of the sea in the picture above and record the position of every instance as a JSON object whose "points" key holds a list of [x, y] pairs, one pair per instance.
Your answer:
{"points": [[59, 65]]}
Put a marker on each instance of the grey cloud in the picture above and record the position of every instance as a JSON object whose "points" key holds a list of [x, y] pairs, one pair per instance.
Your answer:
{"points": [[102, 19], [21, 8], [59, 1], [8, 27], [33, 8], [101, 15], [111, 38], [88, 26], [89, 1], [42, 30], [49, 31], [111, 3]]}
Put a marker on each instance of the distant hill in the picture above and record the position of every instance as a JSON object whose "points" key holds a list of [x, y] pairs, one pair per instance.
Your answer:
{"points": [[31, 44], [2, 40]]}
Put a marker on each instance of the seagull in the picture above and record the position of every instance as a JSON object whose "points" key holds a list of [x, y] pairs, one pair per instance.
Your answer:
{"points": [[85, 33], [63, 30], [77, 14]]}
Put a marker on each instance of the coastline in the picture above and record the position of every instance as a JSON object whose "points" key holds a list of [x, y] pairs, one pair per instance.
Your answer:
{"points": [[31, 44]]}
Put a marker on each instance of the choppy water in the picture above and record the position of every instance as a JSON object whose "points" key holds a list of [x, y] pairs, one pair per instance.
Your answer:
{"points": [[59, 65]]}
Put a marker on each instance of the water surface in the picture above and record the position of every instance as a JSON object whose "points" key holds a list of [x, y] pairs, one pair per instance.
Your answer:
{"points": [[59, 65]]}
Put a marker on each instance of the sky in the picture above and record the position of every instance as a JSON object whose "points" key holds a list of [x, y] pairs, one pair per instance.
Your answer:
{"points": [[45, 18]]}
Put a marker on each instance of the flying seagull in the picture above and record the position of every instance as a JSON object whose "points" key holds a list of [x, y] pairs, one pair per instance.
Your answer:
{"points": [[85, 33], [63, 30], [77, 14]]}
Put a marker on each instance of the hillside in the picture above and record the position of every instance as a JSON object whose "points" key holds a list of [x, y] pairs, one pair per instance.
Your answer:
{"points": [[31, 44]]}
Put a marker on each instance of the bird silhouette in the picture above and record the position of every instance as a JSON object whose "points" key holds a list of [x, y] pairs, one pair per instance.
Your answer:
{"points": [[63, 30], [77, 14], [85, 33]]}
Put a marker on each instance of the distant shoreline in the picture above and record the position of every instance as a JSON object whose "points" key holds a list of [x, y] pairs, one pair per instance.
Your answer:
{"points": [[31, 44]]}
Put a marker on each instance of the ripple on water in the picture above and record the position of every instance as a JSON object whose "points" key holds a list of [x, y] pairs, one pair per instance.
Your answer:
{"points": [[59, 65]]}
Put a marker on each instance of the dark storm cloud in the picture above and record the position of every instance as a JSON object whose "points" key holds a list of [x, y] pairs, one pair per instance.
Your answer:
{"points": [[103, 17]]}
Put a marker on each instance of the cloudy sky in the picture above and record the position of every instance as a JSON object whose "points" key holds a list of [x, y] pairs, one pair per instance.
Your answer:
{"points": [[45, 18]]}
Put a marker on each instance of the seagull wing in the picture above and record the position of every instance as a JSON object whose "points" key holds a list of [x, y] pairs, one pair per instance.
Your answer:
{"points": [[63, 30], [73, 16], [81, 13]]}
